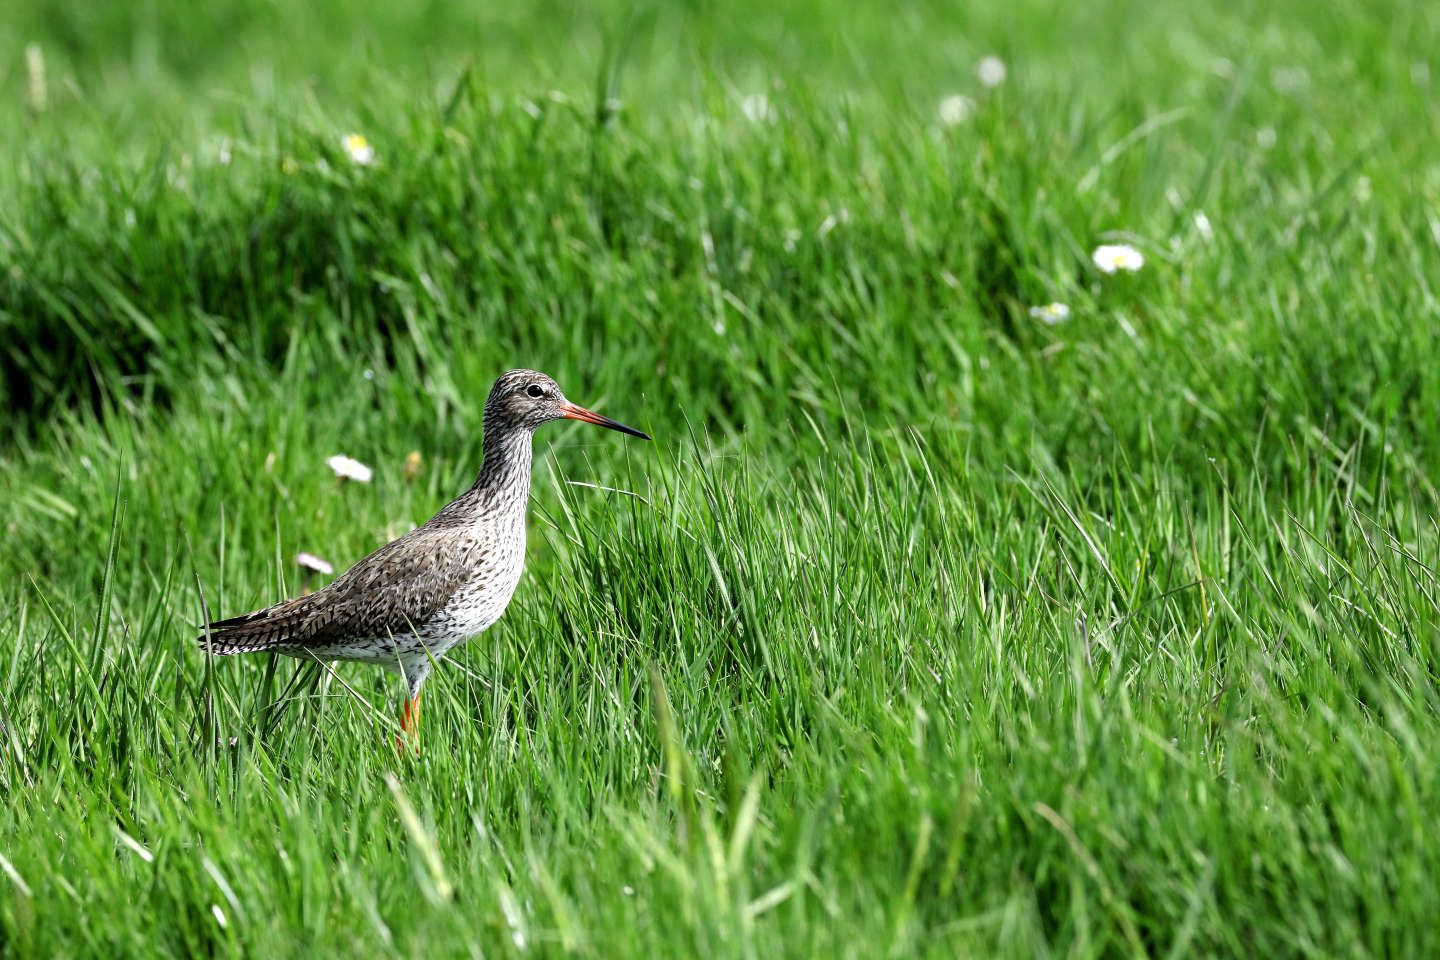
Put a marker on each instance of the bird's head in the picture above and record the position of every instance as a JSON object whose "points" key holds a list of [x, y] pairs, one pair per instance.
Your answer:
{"points": [[525, 399]]}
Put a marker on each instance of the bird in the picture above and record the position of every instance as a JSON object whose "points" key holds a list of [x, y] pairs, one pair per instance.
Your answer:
{"points": [[411, 601]]}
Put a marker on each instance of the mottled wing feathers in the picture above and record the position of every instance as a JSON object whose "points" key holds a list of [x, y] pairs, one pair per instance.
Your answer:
{"points": [[391, 592]]}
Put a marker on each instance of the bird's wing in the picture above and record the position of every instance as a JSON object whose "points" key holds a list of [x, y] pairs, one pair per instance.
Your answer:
{"points": [[389, 593]]}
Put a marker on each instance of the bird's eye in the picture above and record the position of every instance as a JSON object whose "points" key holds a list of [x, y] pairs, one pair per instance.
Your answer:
{"points": [[535, 391]]}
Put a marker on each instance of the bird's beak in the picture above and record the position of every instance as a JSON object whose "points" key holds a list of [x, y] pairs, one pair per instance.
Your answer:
{"points": [[573, 412]]}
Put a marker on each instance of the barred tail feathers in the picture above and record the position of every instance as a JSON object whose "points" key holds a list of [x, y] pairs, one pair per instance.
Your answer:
{"points": [[269, 629]]}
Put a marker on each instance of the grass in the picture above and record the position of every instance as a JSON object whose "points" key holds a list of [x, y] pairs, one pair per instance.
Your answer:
{"points": [[922, 628]]}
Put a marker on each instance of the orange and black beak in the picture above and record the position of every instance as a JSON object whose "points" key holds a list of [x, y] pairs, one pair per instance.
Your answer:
{"points": [[573, 412]]}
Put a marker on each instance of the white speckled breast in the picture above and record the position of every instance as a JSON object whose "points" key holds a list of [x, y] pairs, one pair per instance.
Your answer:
{"points": [[478, 604]]}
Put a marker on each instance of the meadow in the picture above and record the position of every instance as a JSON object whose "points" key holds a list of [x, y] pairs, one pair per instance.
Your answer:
{"points": [[930, 624]]}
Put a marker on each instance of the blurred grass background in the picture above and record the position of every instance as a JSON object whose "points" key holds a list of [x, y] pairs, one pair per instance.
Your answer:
{"points": [[932, 628]]}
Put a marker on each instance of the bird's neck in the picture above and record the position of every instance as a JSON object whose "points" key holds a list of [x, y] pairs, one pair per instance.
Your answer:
{"points": [[505, 471], [501, 491]]}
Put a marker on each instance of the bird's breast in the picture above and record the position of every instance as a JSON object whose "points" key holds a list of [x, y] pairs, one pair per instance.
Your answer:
{"points": [[482, 598]]}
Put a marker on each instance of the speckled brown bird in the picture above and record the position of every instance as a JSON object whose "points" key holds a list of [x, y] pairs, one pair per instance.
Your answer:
{"points": [[408, 603]]}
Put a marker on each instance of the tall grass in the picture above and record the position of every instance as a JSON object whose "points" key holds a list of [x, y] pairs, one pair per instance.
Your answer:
{"points": [[923, 628]]}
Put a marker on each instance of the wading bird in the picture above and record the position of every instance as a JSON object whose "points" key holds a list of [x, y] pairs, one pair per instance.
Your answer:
{"points": [[405, 605]]}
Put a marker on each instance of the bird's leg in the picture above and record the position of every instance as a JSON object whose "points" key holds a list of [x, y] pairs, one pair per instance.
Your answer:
{"points": [[414, 672], [409, 724]]}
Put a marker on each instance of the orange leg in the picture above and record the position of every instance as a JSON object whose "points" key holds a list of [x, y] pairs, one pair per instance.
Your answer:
{"points": [[409, 725]]}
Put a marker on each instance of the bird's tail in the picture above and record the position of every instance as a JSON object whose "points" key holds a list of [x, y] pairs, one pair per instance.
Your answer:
{"points": [[263, 630], [222, 647]]}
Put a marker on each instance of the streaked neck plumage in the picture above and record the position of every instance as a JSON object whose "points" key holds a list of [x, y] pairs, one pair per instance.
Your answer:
{"points": [[502, 488], [505, 471]]}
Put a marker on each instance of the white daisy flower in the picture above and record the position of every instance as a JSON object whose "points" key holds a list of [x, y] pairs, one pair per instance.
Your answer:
{"points": [[1112, 257], [359, 149], [348, 469], [312, 563], [1266, 138], [991, 71], [757, 108], [956, 109], [1051, 313]]}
